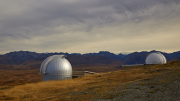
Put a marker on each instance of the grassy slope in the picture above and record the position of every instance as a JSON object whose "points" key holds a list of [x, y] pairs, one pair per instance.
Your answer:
{"points": [[13, 75], [89, 87]]}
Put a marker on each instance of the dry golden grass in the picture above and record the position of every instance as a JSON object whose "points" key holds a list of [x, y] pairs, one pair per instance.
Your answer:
{"points": [[151, 91], [13, 75], [85, 88], [18, 77]]}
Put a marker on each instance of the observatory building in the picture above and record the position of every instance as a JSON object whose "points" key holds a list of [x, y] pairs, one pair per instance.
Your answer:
{"points": [[56, 67], [155, 58]]}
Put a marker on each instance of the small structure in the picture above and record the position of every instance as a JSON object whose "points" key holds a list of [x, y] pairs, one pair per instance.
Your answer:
{"points": [[56, 67], [155, 58], [131, 65], [81, 73]]}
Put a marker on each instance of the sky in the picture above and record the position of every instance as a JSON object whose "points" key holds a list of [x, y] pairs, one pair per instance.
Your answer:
{"points": [[86, 26]]}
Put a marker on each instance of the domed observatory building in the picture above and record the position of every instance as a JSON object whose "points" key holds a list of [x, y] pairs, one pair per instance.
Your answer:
{"points": [[56, 67], [155, 58]]}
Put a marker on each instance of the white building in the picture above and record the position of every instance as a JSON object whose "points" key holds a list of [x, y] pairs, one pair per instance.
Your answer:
{"points": [[155, 58], [56, 67]]}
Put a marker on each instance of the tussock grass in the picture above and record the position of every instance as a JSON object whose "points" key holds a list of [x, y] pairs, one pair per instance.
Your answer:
{"points": [[18, 77], [151, 91], [103, 85]]}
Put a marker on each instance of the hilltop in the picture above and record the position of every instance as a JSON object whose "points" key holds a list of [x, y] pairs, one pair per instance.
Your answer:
{"points": [[149, 82]]}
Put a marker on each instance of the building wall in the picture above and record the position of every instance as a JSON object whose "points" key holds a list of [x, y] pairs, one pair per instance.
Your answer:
{"points": [[76, 74], [55, 77], [64, 77]]}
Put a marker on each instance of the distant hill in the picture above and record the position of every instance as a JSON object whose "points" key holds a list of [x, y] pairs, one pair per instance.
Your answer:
{"points": [[8, 60], [119, 56], [174, 55], [19, 57], [140, 57], [92, 59], [77, 61], [136, 57]]}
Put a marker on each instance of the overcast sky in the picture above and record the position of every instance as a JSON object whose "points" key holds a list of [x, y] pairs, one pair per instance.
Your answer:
{"points": [[84, 26]]}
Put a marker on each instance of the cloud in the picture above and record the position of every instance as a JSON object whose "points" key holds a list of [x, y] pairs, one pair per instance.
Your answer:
{"points": [[88, 25]]}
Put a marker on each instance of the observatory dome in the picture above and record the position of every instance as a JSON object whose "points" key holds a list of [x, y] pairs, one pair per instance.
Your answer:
{"points": [[56, 67], [155, 58]]}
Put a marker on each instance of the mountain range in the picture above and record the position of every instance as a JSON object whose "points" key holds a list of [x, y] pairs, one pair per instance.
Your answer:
{"points": [[103, 57], [20, 67]]}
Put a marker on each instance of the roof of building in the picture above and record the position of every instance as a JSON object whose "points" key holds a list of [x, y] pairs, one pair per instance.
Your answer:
{"points": [[155, 58], [56, 65]]}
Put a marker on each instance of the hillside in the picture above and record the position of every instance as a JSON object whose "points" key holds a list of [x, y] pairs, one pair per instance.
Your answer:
{"points": [[150, 82], [78, 61], [8, 60], [29, 69], [93, 60]]}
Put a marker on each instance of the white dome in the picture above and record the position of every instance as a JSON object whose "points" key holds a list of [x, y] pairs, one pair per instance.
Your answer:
{"points": [[56, 67], [155, 58]]}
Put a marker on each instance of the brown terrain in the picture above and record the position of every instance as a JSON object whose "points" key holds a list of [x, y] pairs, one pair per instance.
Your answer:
{"points": [[28, 71], [18, 83]]}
